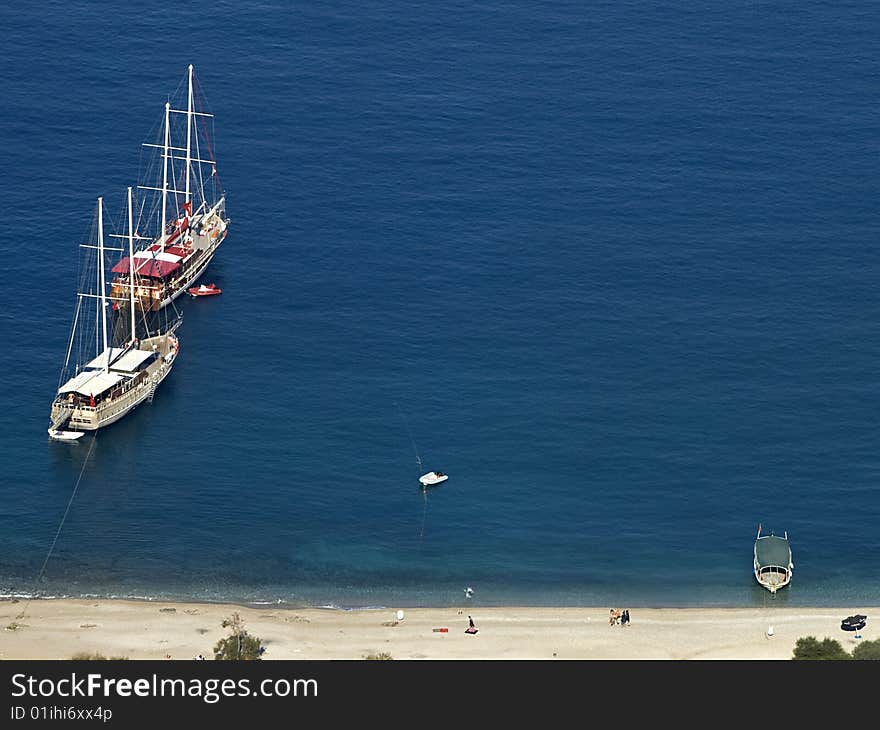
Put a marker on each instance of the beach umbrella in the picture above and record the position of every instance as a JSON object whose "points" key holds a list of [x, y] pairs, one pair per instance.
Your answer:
{"points": [[854, 623]]}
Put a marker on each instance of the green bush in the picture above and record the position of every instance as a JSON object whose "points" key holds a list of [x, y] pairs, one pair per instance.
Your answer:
{"points": [[241, 645], [810, 648], [867, 650], [94, 656]]}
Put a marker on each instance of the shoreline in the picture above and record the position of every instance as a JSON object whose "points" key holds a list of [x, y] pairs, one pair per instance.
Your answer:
{"points": [[761, 598], [59, 628]]}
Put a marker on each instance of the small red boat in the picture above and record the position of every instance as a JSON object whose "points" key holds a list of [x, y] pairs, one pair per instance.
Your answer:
{"points": [[205, 290]]}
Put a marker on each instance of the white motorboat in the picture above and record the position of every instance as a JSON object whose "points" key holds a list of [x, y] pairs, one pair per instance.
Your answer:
{"points": [[433, 477]]}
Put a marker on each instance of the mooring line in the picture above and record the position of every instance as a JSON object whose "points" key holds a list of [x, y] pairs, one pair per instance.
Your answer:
{"points": [[58, 531]]}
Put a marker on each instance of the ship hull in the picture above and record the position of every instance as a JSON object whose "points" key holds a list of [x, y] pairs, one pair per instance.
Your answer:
{"points": [[192, 279], [773, 580], [81, 417], [157, 295]]}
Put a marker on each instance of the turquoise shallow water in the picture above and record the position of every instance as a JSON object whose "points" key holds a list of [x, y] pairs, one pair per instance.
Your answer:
{"points": [[615, 267]]}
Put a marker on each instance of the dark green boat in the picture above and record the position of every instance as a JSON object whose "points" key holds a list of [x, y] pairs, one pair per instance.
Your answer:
{"points": [[773, 564]]}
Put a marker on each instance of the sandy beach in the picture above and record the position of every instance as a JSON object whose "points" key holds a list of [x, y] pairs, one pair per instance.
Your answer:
{"points": [[59, 629]]}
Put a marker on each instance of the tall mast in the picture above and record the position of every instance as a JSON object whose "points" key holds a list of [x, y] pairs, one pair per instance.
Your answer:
{"points": [[165, 172], [131, 264], [189, 104], [101, 282], [97, 312]]}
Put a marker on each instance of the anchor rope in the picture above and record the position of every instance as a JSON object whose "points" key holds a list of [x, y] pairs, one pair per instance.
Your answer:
{"points": [[58, 531]]}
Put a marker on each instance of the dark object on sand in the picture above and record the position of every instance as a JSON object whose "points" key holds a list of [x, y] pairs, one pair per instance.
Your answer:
{"points": [[854, 623]]}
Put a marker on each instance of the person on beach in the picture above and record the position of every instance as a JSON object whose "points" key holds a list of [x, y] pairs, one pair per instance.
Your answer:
{"points": [[614, 618], [471, 629]]}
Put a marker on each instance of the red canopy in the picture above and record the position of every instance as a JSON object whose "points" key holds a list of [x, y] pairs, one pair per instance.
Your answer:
{"points": [[154, 268], [177, 251]]}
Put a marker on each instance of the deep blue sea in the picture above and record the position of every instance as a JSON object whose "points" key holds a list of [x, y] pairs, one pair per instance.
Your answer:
{"points": [[613, 266]]}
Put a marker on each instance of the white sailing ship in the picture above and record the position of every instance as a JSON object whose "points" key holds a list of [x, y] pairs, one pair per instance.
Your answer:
{"points": [[183, 202], [102, 384]]}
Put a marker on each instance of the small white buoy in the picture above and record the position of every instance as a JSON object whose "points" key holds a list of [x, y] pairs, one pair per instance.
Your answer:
{"points": [[400, 615], [468, 592]]}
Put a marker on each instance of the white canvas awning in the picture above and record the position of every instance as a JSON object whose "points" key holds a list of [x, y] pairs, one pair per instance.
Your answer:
{"points": [[91, 382], [101, 360], [75, 382], [127, 363], [131, 361]]}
